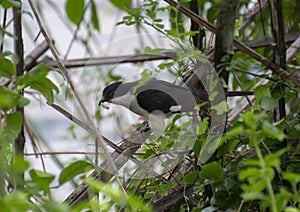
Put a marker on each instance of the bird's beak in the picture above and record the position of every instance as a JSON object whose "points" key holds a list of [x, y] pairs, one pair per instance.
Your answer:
{"points": [[102, 100]]}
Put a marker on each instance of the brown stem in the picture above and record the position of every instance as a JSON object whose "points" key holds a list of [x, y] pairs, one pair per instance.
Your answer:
{"points": [[19, 51]]}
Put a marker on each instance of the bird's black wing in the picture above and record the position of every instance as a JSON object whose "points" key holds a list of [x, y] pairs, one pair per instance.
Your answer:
{"points": [[161, 95], [152, 99]]}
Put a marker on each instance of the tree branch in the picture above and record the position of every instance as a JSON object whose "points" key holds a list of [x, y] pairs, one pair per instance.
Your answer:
{"points": [[19, 51], [252, 14], [108, 60], [31, 58], [224, 37], [293, 50]]}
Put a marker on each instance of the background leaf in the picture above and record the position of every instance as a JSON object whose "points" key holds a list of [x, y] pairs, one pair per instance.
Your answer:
{"points": [[14, 124], [212, 172], [123, 5], [75, 10], [10, 99], [7, 68], [41, 180], [94, 16], [74, 169], [37, 80]]}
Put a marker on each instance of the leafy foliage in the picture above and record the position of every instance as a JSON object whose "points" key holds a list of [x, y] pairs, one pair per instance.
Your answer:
{"points": [[37, 80]]}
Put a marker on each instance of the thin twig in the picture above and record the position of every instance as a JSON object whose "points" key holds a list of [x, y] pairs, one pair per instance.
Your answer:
{"points": [[58, 153], [83, 125], [251, 15], [31, 58], [293, 50], [240, 84], [107, 60]]}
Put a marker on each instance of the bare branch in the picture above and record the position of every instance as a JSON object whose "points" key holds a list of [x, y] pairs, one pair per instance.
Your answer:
{"points": [[268, 41], [252, 14], [83, 125], [108, 60], [224, 37], [293, 50], [31, 58]]}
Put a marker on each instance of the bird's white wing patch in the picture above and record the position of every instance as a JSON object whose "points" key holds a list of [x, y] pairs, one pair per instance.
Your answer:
{"points": [[175, 108]]}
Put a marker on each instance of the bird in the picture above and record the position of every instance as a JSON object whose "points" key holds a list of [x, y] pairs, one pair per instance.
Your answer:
{"points": [[154, 100]]}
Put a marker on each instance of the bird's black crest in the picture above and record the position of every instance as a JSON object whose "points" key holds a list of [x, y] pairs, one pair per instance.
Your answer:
{"points": [[109, 92]]}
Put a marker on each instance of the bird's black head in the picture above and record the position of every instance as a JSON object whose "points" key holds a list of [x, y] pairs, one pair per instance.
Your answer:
{"points": [[109, 92]]}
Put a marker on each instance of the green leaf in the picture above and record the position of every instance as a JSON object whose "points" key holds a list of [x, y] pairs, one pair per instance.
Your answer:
{"points": [[212, 171], [232, 133], [262, 91], [148, 50], [116, 195], [10, 99], [252, 162], [41, 179], [37, 175], [191, 178], [114, 77], [75, 10], [123, 5], [269, 103], [291, 209], [148, 153], [203, 126], [282, 198], [15, 201], [253, 195], [94, 16], [272, 131], [249, 120], [293, 178], [18, 166], [37, 80], [249, 172], [229, 183], [7, 68], [268, 173], [14, 124], [227, 147], [273, 160], [10, 3], [162, 189], [146, 75], [74, 169], [221, 107], [3, 31]]}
